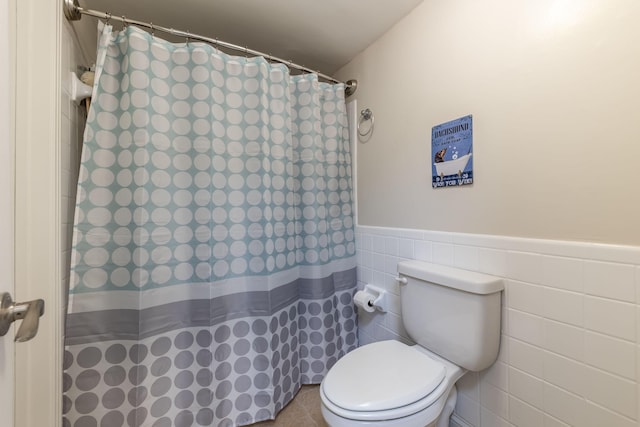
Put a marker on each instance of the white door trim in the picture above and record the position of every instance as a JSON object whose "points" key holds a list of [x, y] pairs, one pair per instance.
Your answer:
{"points": [[7, 360], [38, 258]]}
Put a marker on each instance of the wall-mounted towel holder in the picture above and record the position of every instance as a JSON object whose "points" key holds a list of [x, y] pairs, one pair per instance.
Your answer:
{"points": [[365, 116]]}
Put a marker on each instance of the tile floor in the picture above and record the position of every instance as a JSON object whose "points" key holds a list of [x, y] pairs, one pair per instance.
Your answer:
{"points": [[302, 411]]}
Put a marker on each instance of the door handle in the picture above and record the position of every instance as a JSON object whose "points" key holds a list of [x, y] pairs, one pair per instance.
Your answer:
{"points": [[29, 312]]}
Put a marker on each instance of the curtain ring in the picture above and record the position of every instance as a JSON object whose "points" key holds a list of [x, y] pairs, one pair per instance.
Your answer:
{"points": [[152, 31], [125, 24], [366, 115], [107, 17]]}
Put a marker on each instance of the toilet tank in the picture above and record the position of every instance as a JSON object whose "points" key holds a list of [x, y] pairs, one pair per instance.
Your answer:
{"points": [[452, 312]]}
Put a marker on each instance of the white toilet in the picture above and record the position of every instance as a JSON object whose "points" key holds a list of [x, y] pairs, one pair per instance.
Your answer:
{"points": [[454, 317]]}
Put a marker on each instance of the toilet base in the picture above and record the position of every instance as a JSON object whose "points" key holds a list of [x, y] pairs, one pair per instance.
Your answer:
{"points": [[416, 420], [449, 406]]}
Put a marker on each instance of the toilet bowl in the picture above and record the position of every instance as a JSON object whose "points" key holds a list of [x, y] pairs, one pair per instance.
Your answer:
{"points": [[453, 316], [411, 392]]}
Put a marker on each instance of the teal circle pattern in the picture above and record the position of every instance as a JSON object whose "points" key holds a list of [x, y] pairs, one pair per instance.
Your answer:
{"points": [[198, 166]]}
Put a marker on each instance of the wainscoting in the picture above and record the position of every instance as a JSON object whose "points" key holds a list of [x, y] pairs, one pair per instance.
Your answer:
{"points": [[569, 350]]}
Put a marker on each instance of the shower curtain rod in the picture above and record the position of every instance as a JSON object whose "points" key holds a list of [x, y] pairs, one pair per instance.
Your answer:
{"points": [[73, 12]]}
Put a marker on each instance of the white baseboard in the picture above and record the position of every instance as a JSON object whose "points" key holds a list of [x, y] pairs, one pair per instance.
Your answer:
{"points": [[456, 421]]}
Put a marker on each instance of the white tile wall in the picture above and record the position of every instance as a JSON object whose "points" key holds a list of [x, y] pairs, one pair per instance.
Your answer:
{"points": [[72, 126], [570, 350]]}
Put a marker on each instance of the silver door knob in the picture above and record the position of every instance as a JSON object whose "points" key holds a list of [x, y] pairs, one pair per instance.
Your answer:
{"points": [[29, 312]]}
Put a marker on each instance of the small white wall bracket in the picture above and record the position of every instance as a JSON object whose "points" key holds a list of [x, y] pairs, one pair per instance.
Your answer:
{"points": [[79, 90]]}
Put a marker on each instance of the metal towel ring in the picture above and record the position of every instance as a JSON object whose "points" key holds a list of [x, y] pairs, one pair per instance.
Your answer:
{"points": [[366, 115]]}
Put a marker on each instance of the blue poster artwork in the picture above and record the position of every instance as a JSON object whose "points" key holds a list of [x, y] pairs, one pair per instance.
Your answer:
{"points": [[451, 151]]}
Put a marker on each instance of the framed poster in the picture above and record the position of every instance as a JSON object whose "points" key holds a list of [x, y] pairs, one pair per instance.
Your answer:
{"points": [[451, 151]]}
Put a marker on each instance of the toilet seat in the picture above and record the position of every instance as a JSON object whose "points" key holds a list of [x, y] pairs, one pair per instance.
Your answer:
{"points": [[394, 380]]}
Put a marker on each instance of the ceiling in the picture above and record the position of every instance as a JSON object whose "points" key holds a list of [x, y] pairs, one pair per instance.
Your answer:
{"points": [[323, 35]]}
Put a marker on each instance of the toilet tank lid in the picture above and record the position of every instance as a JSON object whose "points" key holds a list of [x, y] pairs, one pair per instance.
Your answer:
{"points": [[464, 280]]}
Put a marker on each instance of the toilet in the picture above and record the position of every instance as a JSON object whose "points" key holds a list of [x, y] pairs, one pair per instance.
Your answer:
{"points": [[453, 315]]}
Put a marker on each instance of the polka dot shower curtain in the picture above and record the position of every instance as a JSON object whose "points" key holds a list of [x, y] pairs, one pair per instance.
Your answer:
{"points": [[213, 259]]}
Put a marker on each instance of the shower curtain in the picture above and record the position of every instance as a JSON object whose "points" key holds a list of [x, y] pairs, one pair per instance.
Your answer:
{"points": [[213, 262]]}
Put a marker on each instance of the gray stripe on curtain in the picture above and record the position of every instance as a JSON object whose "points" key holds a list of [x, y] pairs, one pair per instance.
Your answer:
{"points": [[126, 324]]}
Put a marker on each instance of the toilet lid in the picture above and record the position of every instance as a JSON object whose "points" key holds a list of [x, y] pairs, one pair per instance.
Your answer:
{"points": [[381, 376]]}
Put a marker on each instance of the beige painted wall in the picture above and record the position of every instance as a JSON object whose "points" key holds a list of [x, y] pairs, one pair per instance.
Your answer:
{"points": [[554, 89]]}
